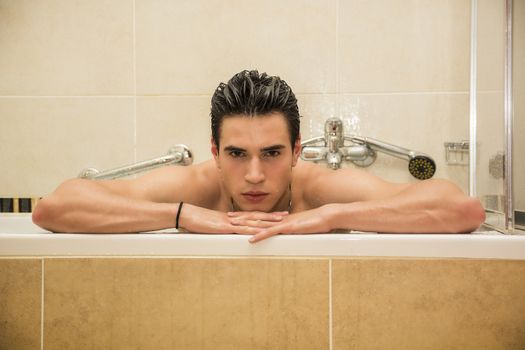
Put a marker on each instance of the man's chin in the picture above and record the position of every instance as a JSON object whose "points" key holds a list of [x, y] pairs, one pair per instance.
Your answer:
{"points": [[253, 207]]}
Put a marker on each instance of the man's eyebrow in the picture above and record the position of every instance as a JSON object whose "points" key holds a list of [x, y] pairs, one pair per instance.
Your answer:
{"points": [[234, 148], [264, 149], [272, 148]]}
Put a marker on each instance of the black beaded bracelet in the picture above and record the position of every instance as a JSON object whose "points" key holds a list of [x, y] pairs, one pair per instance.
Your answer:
{"points": [[178, 214]]}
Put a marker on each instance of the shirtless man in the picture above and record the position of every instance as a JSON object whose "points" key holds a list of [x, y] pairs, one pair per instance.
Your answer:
{"points": [[256, 185]]}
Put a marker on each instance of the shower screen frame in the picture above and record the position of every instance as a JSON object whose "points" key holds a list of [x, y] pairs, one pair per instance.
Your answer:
{"points": [[507, 224]]}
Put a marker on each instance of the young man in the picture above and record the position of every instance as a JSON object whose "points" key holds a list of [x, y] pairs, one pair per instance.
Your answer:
{"points": [[256, 184]]}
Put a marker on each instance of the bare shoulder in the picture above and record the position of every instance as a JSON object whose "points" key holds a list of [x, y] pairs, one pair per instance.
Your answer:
{"points": [[305, 172], [307, 177], [197, 184], [321, 185]]}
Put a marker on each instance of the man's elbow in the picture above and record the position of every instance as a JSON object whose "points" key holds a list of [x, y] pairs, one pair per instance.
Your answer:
{"points": [[471, 215], [44, 213], [49, 211]]}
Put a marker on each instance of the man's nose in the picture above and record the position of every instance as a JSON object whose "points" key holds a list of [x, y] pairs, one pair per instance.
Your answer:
{"points": [[255, 171]]}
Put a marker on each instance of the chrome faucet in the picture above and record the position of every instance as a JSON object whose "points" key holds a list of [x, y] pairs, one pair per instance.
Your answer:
{"points": [[177, 155], [361, 151]]}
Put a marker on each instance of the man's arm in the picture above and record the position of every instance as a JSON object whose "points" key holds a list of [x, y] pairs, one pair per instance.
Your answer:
{"points": [[431, 206], [369, 203], [115, 206], [353, 199]]}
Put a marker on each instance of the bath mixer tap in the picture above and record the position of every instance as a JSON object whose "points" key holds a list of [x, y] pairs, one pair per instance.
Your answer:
{"points": [[331, 147], [361, 151], [177, 155]]}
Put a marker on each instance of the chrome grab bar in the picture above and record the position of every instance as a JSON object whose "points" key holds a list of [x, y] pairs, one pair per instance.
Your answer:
{"points": [[177, 155]]}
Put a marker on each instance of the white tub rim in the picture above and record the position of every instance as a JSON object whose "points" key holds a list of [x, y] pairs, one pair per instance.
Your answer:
{"points": [[19, 237]]}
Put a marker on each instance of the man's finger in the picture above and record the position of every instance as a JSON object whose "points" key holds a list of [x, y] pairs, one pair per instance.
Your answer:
{"points": [[253, 223], [256, 213], [263, 235], [237, 213], [256, 216], [245, 230], [261, 216]]}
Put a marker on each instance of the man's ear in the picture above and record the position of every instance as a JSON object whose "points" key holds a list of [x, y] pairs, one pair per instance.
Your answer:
{"points": [[296, 150], [215, 152]]}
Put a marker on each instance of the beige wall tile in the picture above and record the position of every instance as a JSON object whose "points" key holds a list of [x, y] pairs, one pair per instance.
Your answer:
{"points": [[428, 304], [186, 304], [60, 47], [20, 299], [46, 140], [490, 43], [404, 45], [190, 46], [314, 110], [165, 121], [320, 48]]}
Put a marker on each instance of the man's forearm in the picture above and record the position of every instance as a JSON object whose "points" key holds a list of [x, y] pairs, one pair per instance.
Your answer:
{"points": [[420, 209], [90, 208]]}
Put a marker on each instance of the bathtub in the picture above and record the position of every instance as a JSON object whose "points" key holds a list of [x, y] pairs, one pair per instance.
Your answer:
{"points": [[323, 291], [20, 237]]}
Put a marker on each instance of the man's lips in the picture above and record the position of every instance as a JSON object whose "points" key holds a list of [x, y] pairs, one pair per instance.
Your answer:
{"points": [[255, 196], [255, 193]]}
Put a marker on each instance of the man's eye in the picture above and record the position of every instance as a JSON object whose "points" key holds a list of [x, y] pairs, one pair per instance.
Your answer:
{"points": [[236, 154], [272, 154]]}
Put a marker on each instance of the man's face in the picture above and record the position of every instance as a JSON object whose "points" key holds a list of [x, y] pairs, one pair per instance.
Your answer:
{"points": [[255, 161]]}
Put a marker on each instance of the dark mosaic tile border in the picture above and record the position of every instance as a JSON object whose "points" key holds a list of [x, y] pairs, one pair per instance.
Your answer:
{"points": [[18, 205]]}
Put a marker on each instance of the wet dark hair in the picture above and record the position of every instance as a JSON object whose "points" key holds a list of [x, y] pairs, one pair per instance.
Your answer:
{"points": [[253, 94]]}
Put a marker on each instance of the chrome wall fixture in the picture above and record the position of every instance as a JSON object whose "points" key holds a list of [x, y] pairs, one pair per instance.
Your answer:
{"points": [[361, 151], [177, 155], [457, 153]]}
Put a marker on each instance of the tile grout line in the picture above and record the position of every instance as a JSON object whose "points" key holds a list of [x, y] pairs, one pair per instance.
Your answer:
{"points": [[134, 87], [337, 65], [65, 96], [118, 96], [330, 334], [363, 93], [42, 307]]}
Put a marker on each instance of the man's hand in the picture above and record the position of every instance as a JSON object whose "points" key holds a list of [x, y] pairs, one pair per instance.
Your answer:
{"points": [[310, 221], [256, 219], [202, 220]]}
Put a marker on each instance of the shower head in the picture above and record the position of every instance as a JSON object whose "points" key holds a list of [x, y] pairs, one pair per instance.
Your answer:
{"points": [[421, 167]]}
